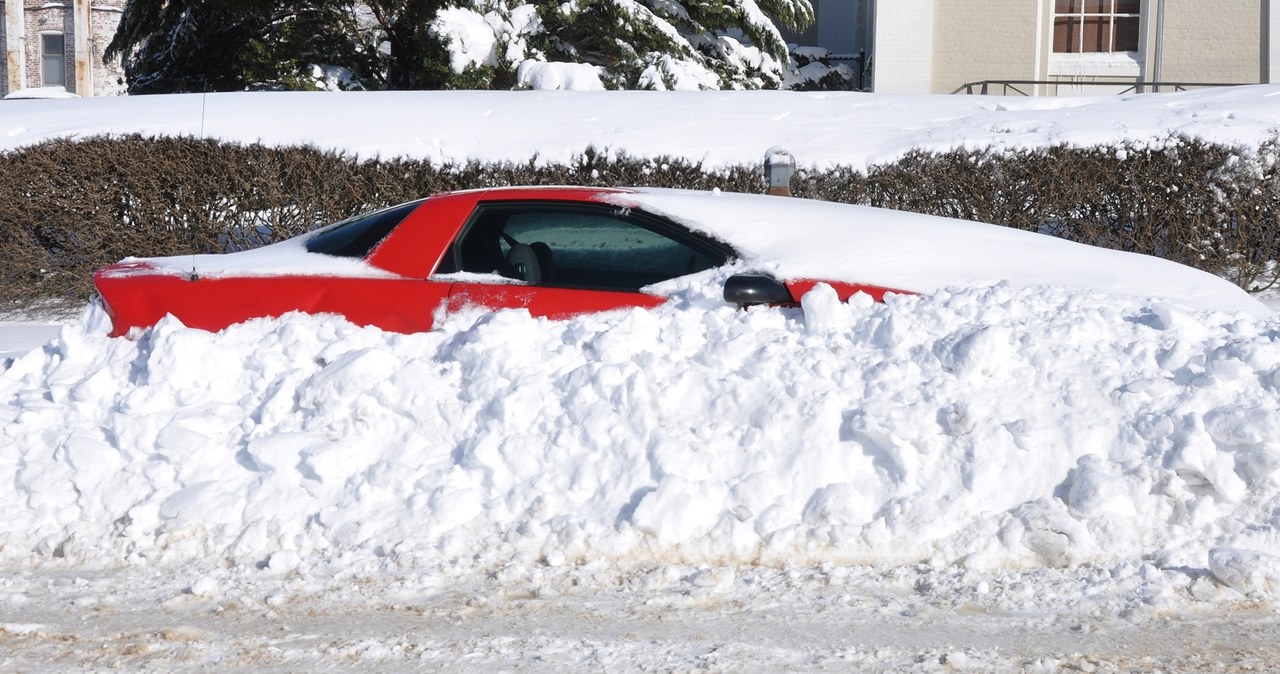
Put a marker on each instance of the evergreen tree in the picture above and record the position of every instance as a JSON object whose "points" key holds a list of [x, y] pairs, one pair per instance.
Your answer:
{"points": [[171, 46], [222, 45], [646, 44]]}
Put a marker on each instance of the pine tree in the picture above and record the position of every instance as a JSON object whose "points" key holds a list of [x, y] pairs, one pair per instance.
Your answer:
{"points": [[171, 46], [645, 44], [220, 45]]}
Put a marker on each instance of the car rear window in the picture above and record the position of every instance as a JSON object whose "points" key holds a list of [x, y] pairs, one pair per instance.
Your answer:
{"points": [[355, 237]]}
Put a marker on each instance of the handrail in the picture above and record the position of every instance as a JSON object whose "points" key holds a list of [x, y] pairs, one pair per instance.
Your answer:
{"points": [[1129, 85]]}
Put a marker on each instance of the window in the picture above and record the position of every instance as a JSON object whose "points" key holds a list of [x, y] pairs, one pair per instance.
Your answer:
{"points": [[53, 60], [1092, 26], [577, 246], [357, 236]]}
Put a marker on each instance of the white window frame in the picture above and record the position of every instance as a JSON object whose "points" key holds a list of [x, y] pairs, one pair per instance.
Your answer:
{"points": [[47, 58], [1084, 66], [1109, 15]]}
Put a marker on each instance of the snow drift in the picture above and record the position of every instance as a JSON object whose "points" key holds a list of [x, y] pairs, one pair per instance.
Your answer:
{"points": [[718, 128], [991, 427]]}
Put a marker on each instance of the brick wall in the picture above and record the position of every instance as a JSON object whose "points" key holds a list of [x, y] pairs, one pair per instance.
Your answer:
{"points": [[108, 78], [41, 17], [52, 18]]}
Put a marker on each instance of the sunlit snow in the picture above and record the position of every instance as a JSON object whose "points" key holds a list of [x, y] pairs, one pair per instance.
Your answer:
{"points": [[983, 454], [718, 128]]}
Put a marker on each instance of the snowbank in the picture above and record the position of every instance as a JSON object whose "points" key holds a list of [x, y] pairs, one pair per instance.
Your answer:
{"points": [[719, 128], [989, 427]]}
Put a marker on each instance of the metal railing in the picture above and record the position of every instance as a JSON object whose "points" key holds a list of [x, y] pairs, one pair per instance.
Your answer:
{"points": [[984, 87], [860, 64]]}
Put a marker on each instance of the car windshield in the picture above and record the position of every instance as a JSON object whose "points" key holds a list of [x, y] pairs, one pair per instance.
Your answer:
{"points": [[355, 237]]}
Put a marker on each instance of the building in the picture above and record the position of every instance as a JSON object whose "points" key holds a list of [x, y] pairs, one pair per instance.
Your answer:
{"points": [[1067, 46], [59, 45]]}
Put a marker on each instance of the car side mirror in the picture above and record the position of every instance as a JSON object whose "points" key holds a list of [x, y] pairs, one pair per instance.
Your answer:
{"points": [[749, 289]]}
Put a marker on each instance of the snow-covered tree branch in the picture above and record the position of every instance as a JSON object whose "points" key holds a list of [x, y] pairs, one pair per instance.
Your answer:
{"points": [[218, 45]]}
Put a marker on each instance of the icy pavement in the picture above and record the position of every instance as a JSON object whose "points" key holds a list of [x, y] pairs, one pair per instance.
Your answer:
{"points": [[594, 617]]}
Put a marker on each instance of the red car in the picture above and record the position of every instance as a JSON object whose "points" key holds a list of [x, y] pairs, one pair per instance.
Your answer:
{"points": [[561, 251], [554, 251]]}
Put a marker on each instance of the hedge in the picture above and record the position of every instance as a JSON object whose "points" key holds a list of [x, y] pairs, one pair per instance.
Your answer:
{"points": [[70, 206]]}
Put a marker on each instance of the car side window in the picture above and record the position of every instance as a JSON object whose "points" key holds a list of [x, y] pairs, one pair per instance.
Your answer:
{"points": [[358, 235], [582, 246]]}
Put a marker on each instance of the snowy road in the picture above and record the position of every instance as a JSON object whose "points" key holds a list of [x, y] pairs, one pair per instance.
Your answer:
{"points": [[666, 618]]}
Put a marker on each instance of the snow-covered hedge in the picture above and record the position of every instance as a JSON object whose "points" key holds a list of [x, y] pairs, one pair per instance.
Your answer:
{"points": [[71, 206]]}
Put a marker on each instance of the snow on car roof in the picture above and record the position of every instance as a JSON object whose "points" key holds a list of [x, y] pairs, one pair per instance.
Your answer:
{"points": [[801, 238]]}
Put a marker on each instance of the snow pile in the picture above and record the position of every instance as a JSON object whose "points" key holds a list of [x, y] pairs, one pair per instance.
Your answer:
{"points": [[39, 92], [990, 427], [719, 128], [567, 76]]}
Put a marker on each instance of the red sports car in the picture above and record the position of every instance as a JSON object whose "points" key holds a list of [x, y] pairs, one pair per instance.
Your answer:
{"points": [[561, 251]]}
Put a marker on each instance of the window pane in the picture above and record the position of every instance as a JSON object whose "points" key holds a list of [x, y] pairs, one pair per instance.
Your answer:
{"points": [[53, 62], [600, 251], [1097, 6], [581, 248], [357, 237], [53, 72], [1128, 6], [1067, 6], [1126, 34], [1063, 35], [1095, 35]]}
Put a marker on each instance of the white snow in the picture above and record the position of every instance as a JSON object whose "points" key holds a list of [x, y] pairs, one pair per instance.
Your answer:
{"points": [[289, 257], [19, 337], [993, 428], [39, 93], [718, 128], [990, 478], [469, 36], [566, 76]]}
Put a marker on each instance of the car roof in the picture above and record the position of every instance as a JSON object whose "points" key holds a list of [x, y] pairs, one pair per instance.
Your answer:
{"points": [[537, 193]]}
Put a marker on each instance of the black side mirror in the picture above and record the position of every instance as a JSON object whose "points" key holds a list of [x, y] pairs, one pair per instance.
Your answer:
{"points": [[748, 289]]}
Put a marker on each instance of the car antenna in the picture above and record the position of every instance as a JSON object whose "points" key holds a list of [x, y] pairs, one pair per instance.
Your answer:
{"points": [[204, 99]]}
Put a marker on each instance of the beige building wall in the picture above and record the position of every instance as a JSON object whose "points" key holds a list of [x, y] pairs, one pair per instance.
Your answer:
{"points": [[972, 41], [1213, 41], [964, 41]]}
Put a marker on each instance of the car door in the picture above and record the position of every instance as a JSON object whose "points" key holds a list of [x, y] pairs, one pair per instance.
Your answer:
{"points": [[559, 259]]}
